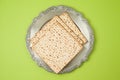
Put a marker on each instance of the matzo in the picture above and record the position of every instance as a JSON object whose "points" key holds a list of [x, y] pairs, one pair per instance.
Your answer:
{"points": [[57, 47], [68, 21]]}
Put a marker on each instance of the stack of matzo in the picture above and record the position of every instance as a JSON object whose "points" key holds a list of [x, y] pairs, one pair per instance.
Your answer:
{"points": [[58, 42]]}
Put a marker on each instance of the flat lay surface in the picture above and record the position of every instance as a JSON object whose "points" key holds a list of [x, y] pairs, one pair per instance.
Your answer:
{"points": [[16, 62]]}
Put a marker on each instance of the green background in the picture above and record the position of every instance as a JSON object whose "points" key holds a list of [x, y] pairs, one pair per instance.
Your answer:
{"points": [[17, 15]]}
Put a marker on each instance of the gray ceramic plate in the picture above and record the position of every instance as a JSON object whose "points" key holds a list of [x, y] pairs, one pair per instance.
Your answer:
{"points": [[81, 22]]}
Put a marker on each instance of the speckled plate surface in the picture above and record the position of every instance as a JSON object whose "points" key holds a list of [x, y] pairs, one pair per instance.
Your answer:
{"points": [[79, 20]]}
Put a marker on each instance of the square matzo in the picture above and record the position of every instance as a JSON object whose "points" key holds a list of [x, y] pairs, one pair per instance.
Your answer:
{"points": [[69, 22], [56, 47]]}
